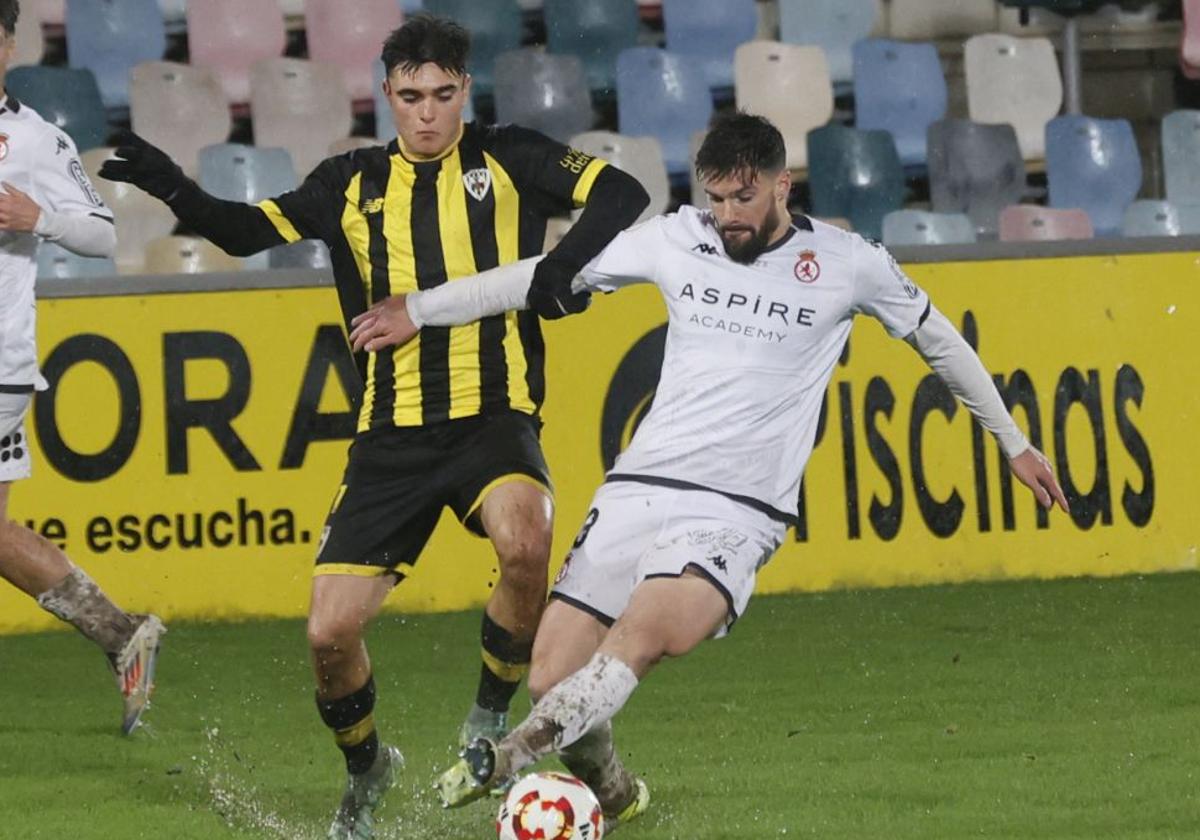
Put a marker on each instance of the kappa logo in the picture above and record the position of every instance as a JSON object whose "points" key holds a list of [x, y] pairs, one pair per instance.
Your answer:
{"points": [[61, 145], [807, 268], [478, 182], [719, 562], [705, 248]]}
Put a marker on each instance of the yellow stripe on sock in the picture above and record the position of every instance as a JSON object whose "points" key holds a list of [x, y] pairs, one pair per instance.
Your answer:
{"points": [[354, 735], [504, 670]]}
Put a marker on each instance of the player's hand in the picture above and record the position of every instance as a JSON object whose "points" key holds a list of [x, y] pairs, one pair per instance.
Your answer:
{"points": [[146, 167], [1034, 471], [18, 211], [550, 295], [386, 324]]}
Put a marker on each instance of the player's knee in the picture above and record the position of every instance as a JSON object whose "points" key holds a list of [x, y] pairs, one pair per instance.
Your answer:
{"points": [[524, 554], [331, 638]]}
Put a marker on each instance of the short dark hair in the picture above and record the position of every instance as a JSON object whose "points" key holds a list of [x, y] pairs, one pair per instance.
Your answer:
{"points": [[10, 10], [740, 143], [425, 38]]}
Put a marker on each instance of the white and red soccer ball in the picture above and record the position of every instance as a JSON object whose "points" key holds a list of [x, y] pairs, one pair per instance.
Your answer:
{"points": [[550, 806]]}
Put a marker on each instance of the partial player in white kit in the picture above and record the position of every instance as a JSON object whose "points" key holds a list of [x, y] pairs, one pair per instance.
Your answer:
{"points": [[760, 305], [45, 195]]}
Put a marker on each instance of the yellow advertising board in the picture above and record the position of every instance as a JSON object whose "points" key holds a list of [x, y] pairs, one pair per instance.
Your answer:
{"points": [[192, 442]]}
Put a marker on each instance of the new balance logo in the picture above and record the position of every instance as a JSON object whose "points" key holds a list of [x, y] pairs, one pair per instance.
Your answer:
{"points": [[705, 248]]}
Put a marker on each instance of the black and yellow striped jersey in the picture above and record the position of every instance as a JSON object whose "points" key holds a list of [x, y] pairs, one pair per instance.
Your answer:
{"points": [[395, 225]]}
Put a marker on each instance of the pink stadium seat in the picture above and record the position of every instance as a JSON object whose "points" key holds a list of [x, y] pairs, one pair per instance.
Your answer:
{"points": [[1189, 52], [49, 12], [231, 35], [1030, 223], [349, 33]]}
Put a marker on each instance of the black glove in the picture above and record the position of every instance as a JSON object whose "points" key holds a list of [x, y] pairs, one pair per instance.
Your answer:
{"points": [[146, 167], [550, 295]]}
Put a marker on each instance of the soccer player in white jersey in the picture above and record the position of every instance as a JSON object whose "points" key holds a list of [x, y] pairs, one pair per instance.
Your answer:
{"points": [[701, 499], [45, 195]]}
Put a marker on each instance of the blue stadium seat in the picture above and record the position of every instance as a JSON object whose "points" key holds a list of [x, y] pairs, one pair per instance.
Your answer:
{"points": [[56, 262], [663, 95], [917, 227], [67, 97], [834, 25], [975, 169], [900, 88], [711, 31], [1181, 156], [305, 254], [246, 173], [595, 31], [110, 37], [545, 92], [854, 175], [1161, 218], [495, 28], [1094, 165]]}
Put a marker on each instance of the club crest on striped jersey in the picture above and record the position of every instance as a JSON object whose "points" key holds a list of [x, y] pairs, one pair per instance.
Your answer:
{"points": [[478, 182]]}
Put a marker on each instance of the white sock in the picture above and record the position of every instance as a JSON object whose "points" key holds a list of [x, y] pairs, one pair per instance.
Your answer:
{"points": [[586, 699]]}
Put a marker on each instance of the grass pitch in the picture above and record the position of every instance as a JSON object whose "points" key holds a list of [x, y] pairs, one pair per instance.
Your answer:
{"points": [[1066, 709]]}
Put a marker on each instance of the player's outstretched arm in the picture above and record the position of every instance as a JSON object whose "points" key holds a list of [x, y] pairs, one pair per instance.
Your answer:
{"points": [[395, 320], [949, 355], [239, 229]]}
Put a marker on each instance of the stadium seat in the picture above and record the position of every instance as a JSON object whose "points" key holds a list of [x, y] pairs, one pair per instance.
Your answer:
{"points": [[928, 20], [110, 38], [1094, 165], [698, 197], [301, 106], [917, 227], [67, 97], [349, 35], [711, 31], [139, 216], [665, 96], [51, 12], [1030, 223], [246, 173], [975, 169], [187, 255], [230, 36], [641, 157], [787, 84], [833, 25], [57, 263], [1016, 81], [596, 31], [900, 88], [855, 175], [545, 92], [1161, 218], [1189, 48], [174, 12], [495, 28], [305, 254], [31, 41], [179, 108], [1181, 156]]}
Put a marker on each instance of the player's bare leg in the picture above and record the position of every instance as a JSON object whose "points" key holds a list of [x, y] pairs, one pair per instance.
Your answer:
{"points": [[342, 607], [666, 617], [518, 518], [39, 568]]}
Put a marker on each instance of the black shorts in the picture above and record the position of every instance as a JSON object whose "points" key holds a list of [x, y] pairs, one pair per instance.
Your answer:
{"points": [[398, 480]]}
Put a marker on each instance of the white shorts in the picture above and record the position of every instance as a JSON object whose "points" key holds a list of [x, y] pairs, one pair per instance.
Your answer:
{"points": [[636, 531], [14, 446]]}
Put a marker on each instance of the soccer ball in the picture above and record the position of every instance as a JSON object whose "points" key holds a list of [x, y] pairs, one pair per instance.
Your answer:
{"points": [[550, 806]]}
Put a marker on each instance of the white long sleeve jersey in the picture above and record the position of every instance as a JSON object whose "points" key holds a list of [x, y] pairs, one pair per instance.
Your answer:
{"points": [[750, 348], [40, 160]]}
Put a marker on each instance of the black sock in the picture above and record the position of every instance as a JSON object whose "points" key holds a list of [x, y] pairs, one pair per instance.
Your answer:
{"points": [[505, 663], [352, 720]]}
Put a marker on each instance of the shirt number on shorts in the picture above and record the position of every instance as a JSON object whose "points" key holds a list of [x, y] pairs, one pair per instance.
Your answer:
{"points": [[588, 522]]}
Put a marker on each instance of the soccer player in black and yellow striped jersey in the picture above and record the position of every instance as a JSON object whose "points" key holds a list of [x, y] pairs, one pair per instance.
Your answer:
{"points": [[450, 419]]}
